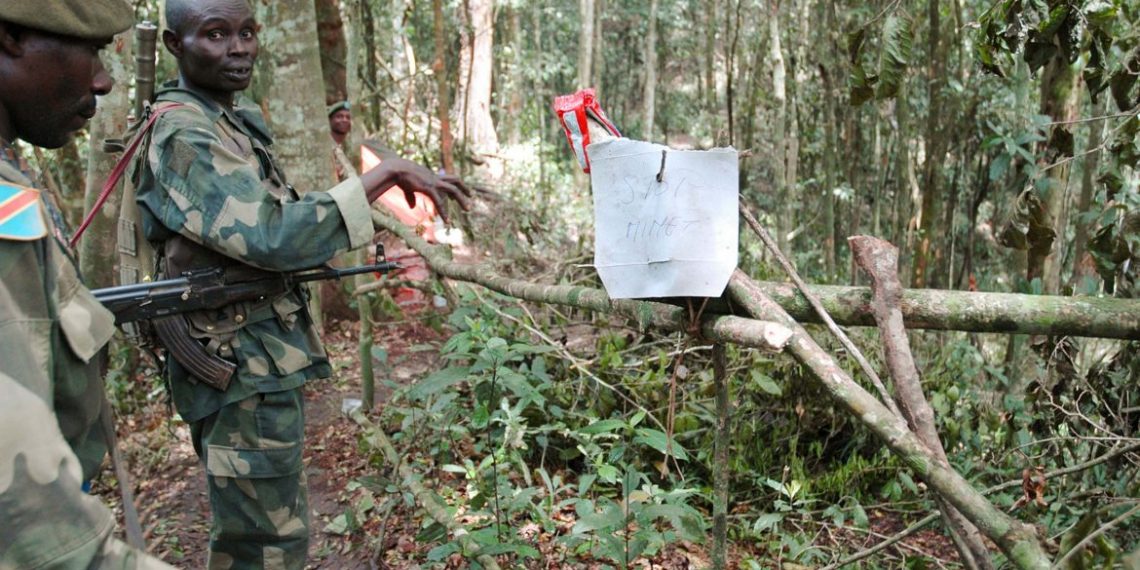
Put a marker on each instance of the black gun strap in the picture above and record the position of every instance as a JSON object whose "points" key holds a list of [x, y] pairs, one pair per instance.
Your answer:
{"points": [[174, 333]]}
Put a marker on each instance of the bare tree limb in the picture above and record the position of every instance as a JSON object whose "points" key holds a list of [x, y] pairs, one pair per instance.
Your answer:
{"points": [[879, 260]]}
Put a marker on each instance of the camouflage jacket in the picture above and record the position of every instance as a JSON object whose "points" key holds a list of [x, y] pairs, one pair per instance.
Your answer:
{"points": [[209, 184], [52, 334]]}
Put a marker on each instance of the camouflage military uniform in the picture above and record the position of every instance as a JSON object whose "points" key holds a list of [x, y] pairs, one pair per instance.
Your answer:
{"points": [[212, 194], [52, 335]]}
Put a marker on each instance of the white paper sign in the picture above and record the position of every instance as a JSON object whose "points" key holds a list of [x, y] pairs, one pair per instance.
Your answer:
{"points": [[676, 237]]}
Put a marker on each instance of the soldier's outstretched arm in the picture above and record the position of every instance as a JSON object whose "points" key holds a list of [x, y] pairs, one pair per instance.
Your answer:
{"points": [[211, 195], [48, 521]]}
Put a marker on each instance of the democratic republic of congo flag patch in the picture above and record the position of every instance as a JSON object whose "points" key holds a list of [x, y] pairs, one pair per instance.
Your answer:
{"points": [[21, 217]]}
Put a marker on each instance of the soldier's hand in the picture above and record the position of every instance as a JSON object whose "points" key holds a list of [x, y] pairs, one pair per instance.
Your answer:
{"points": [[412, 178]]}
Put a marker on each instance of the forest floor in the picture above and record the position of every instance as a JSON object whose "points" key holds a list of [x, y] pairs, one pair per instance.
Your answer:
{"points": [[171, 491]]}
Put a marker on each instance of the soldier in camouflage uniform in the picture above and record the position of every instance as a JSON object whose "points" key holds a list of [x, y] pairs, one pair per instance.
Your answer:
{"points": [[211, 194], [52, 330]]}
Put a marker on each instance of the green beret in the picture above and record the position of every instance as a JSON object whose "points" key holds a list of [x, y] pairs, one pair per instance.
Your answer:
{"points": [[86, 19], [339, 105]]}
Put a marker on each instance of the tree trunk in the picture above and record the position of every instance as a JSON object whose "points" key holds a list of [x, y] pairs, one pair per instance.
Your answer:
{"points": [[1083, 267], [650, 94], [333, 49], [294, 103], [515, 104], [97, 249], [780, 120], [479, 133], [1017, 540], [599, 65], [439, 69], [711, 27], [720, 457], [927, 229], [585, 43], [1059, 98]]}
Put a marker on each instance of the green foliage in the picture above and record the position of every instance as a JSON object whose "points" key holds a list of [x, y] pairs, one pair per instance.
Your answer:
{"points": [[896, 38]]}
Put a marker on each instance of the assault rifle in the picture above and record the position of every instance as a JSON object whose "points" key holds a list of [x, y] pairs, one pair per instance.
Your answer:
{"points": [[213, 288], [162, 304]]}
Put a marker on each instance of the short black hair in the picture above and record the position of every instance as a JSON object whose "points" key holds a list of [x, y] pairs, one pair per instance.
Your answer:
{"points": [[178, 13]]}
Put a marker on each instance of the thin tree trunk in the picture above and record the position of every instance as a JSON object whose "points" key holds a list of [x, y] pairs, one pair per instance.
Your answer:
{"points": [[927, 229], [599, 66], [479, 134], [585, 43], [780, 120], [97, 249], [650, 94], [720, 460], [1059, 98], [447, 143], [515, 105], [1083, 267], [712, 24]]}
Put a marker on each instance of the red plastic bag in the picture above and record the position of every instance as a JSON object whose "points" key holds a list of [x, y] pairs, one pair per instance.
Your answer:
{"points": [[583, 119]]}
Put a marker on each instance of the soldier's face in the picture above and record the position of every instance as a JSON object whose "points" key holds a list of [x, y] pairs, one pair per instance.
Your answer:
{"points": [[340, 122], [217, 47], [50, 85]]}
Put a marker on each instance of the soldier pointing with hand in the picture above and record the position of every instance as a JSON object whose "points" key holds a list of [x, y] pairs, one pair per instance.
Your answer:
{"points": [[212, 195]]}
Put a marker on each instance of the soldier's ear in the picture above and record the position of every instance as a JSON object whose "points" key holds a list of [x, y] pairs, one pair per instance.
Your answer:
{"points": [[10, 39], [173, 43]]}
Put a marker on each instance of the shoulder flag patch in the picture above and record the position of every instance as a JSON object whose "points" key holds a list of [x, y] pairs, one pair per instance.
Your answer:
{"points": [[21, 215]]}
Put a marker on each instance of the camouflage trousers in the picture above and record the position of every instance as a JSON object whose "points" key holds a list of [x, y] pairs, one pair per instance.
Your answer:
{"points": [[258, 496]]}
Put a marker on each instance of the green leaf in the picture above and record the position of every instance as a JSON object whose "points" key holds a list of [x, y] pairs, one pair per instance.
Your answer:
{"points": [[610, 518], [766, 383], [338, 525], [656, 439], [603, 426], [438, 382], [481, 416], [894, 55], [908, 482], [767, 521]]}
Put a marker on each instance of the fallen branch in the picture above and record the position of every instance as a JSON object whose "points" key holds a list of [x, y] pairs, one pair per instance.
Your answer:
{"points": [[879, 260], [1008, 313], [376, 438], [1017, 540]]}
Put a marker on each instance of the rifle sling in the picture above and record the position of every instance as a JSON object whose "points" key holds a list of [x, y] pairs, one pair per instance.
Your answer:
{"points": [[174, 333]]}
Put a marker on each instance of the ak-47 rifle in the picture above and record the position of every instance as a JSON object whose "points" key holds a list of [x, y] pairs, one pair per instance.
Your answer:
{"points": [[163, 303], [213, 288]]}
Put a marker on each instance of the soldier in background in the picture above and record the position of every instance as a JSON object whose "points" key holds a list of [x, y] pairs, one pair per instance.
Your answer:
{"points": [[52, 330], [212, 195], [340, 125]]}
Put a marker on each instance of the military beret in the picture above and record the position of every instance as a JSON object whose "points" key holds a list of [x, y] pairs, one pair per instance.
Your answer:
{"points": [[86, 19], [339, 105]]}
